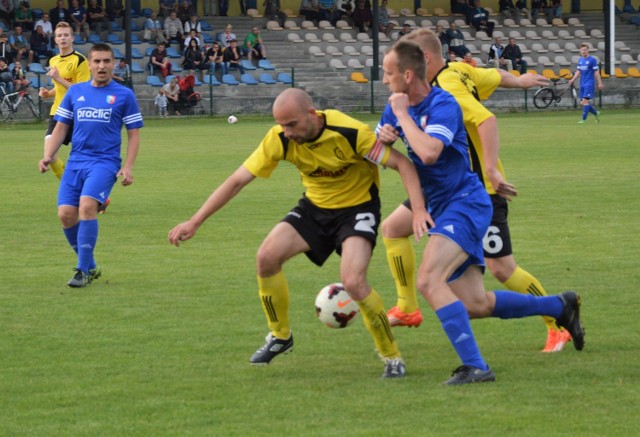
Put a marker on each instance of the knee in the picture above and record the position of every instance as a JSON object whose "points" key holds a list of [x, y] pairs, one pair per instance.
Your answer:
{"points": [[356, 286], [267, 262], [500, 269], [68, 217]]}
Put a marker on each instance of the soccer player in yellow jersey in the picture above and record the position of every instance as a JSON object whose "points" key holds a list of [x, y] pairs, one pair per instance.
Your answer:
{"points": [[337, 158], [469, 86]]}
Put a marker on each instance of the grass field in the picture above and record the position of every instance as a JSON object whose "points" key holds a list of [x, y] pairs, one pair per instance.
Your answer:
{"points": [[160, 344]]}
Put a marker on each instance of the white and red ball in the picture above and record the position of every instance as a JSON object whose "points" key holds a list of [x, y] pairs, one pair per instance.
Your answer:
{"points": [[334, 307]]}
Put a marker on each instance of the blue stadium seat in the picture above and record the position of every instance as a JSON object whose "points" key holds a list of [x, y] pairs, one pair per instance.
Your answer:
{"points": [[173, 53], [112, 38], [135, 39], [37, 68], [36, 13], [136, 68], [206, 26], [229, 79], [135, 53], [168, 78], [95, 38], [267, 78], [284, 78], [176, 67], [148, 51], [154, 81], [248, 79], [210, 79], [146, 12], [78, 40], [117, 53], [247, 64], [135, 27], [208, 39], [265, 64], [115, 27], [4, 26]]}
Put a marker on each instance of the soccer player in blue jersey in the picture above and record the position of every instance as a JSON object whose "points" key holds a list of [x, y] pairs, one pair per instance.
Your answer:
{"points": [[589, 75], [97, 110], [429, 122]]}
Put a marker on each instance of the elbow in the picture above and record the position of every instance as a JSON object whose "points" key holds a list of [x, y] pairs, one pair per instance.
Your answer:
{"points": [[429, 158]]}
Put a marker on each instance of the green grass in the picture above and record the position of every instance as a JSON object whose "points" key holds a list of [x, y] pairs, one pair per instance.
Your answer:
{"points": [[160, 344]]}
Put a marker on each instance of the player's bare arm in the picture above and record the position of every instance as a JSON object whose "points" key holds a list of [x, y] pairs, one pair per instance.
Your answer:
{"points": [[388, 135], [525, 81], [51, 146], [133, 145], [488, 132], [223, 194], [54, 74]]}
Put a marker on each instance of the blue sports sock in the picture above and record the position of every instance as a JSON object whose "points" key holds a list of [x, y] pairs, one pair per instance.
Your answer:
{"points": [[593, 110], [72, 236], [455, 322], [87, 238], [585, 112], [512, 305]]}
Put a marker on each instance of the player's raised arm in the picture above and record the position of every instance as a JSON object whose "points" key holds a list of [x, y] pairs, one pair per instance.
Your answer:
{"points": [[223, 194]]}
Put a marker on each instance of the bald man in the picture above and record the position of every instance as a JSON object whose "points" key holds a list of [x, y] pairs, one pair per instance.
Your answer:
{"points": [[338, 158], [468, 86]]}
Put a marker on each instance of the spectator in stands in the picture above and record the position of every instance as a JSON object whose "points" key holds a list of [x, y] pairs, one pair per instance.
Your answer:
{"points": [[495, 56], [224, 8], [122, 73], [153, 29], [362, 17], [5, 48], [243, 8], [193, 59], [508, 10], [173, 29], [214, 56], [480, 19], [325, 10], [232, 57], [461, 7], [554, 10], [193, 36], [254, 45], [19, 76], [384, 25], [79, 19], [193, 24], [310, 10], [444, 40], [521, 8], [39, 42], [272, 11], [159, 60], [47, 28], [172, 91], [538, 7], [226, 37], [456, 40], [97, 19], [23, 17], [344, 10], [114, 10], [468, 59], [6, 80], [406, 30], [20, 46], [513, 53], [185, 11], [167, 6], [59, 13]]}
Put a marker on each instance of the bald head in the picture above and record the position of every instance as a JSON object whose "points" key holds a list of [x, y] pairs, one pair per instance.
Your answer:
{"points": [[293, 110]]}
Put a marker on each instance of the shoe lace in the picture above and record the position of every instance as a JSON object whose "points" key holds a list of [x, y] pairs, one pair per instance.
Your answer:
{"points": [[460, 369]]}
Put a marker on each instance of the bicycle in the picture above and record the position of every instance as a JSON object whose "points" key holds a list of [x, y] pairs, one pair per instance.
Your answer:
{"points": [[550, 94], [11, 103]]}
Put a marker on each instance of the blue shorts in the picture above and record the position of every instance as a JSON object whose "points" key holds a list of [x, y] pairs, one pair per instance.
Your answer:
{"points": [[587, 92], [96, 182], [465, 222]]}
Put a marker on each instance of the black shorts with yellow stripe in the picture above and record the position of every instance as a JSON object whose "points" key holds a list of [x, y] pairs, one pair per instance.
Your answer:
{"points": [[324, 230], [52, 125]]}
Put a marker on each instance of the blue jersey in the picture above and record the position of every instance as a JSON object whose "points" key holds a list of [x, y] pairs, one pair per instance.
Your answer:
{"points": [[450, 177], [587, 67], [98, 114]]}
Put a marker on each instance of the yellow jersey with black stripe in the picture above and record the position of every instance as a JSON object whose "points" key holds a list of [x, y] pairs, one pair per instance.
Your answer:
{"points": [[470, 85], [73, 68], [338, 169]]}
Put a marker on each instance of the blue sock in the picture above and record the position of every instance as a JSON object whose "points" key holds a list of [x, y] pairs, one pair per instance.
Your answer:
{"points": [[512, 305], [87, 238], [592, 110], [72, 236], [585, 112], [455, 322]]}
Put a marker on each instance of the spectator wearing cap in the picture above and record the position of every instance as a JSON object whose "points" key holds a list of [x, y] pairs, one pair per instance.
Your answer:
{"points": [[406, 30]]}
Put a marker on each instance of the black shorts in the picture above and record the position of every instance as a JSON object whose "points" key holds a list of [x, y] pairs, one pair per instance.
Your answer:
{"points": [[52, 125], [497, 240], [325, 229]]}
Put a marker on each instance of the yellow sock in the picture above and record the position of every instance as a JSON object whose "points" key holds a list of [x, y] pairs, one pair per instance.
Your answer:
{"points": [[57, 167], [524, 282], [375, 319], [402, 263], [274, 296]]}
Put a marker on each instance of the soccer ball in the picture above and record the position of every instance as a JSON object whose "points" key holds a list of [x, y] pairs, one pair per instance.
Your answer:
{"points": [[232, 119], [334, 307]]}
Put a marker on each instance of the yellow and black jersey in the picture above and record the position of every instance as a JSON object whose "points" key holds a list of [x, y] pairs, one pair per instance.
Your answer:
{"points": [[333, 167], [469, 86], [73, 68]]}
